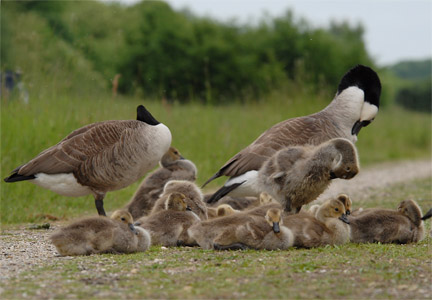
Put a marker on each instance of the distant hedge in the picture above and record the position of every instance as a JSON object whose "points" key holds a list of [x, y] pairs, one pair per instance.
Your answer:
{"points": [[176, 55], [416, 97]]}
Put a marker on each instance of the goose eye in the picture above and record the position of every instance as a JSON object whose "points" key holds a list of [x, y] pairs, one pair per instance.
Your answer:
{"points": [[348, 169], [336, 209]]}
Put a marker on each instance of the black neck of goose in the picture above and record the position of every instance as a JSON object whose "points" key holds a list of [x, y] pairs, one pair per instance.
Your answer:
{"points": [[145, 116]]}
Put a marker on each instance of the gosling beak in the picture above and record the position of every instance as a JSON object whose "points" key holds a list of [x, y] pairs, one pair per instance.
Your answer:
{"points": [[332, 175], [344, 219], [359, 125], [132, 227], [348, 212], [181, 157], [188, 208], [276, 228]]}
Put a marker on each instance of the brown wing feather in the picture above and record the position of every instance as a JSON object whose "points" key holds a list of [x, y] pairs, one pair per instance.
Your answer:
{"points": [[77, 147], [313, 129]]}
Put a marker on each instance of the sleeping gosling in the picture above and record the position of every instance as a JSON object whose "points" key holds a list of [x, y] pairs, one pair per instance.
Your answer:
{"points": [[260, 233], [168, 227], [206, 231], [101, 235], [194, 197], [173, 166], [401, 226]]}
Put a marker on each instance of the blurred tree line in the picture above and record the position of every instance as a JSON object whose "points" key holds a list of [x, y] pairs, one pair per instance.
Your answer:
{"points": [[176, 55], [416, 93]]}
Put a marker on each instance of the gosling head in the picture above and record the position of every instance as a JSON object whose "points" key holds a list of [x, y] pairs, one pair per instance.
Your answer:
{"points": [[171, 156], [274, 219], [224, 210], [345, 163], [176, 201], [346, 201], [265, 198], [125, 217], [332, 209], [411, 210]]}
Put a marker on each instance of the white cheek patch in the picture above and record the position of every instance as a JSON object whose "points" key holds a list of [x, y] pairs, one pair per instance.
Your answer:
{"points": [[369, 111]]}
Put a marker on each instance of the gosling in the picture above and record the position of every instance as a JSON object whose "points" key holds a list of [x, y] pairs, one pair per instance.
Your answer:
{"points": [[345, 199], [329, 227], [401, 226], [194, 197], [101, 235], [173, 166], [260, 233], [295, 176], [168, 227]]}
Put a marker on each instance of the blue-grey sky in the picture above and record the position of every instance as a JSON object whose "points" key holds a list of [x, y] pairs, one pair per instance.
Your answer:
{"points": [[394, 30]]}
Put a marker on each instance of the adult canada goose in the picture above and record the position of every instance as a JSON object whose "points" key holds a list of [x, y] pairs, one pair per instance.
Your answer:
{"points": [[404, 225], [355, 106], [101, 235], [169, 226], [173, 166], [99, 158], [329, 227], [194, 197], [260, 233], [297, 175]]}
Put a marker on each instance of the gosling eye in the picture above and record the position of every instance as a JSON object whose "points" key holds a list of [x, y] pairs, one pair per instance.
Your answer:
{"points": [[336, 209], [123, 219], [348, 169]]}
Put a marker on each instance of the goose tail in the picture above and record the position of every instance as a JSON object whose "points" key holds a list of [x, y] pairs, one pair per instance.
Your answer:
{"points": [[17, 177]]}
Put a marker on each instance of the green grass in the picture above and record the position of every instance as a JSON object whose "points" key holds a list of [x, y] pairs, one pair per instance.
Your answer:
{"points": [[348, 271], [207, 135]]}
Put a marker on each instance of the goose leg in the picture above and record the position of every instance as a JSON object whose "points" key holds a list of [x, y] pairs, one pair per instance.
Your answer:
{"points": [[99, 204], [288, 207]]}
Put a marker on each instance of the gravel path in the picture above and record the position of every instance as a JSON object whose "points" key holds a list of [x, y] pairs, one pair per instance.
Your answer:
{"points": [[22, 249], [379, 176]]}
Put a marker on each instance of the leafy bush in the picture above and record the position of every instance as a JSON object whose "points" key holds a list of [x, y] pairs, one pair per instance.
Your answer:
{"points": [[163, 53], [416, 97]]}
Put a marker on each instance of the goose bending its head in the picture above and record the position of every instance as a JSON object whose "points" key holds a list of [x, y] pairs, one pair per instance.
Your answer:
{"points": [[354, 106], [99, 158]]}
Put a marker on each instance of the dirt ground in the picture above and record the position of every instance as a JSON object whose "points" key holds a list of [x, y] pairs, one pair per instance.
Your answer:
{"points": [[22, 248]]}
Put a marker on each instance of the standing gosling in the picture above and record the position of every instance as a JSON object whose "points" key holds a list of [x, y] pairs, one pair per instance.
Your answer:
{"points": [[172, 166], [98, 158], [401, 226], [260, 233], [194, 197], [295, 176], [101, 235], [169, 226]]}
